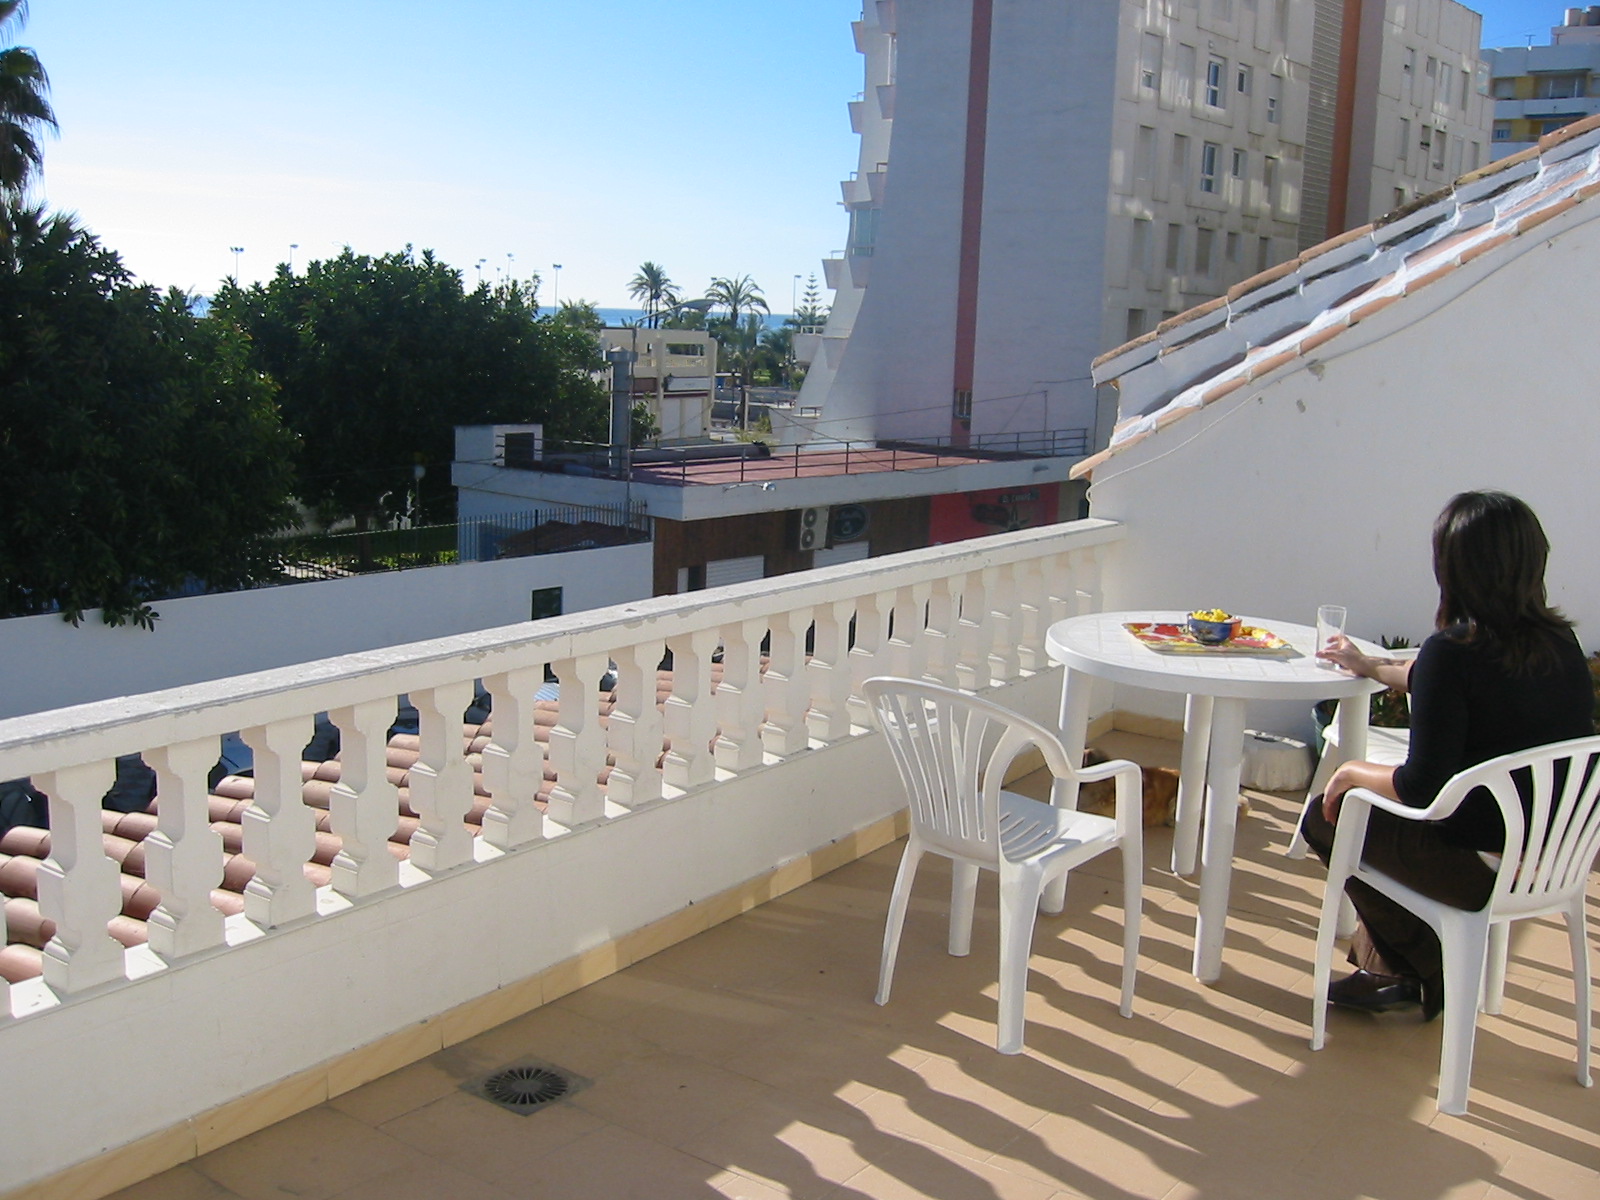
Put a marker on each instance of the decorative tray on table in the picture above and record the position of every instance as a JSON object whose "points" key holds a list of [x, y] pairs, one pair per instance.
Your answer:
{"points": [[1167, 637]]}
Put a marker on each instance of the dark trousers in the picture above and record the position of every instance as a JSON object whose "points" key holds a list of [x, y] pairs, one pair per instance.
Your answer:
{"points": [[1390, 940]]}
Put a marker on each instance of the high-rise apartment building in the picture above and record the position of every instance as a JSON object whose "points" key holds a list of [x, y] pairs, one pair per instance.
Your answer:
{"points": [[1039, 182], [1539, 89]]}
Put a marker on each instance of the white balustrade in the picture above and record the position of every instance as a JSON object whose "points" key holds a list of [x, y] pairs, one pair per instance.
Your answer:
{"points": [[972, 614]]}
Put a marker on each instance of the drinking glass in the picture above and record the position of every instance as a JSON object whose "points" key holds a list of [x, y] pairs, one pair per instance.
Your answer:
{"points": [[1330, 623]]}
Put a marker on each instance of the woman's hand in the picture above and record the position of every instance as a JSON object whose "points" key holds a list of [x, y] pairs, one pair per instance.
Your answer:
{"points": [[1342, 652]]}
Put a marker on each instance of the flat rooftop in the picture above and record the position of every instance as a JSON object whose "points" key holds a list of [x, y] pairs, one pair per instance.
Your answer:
{"points": [[750, 1061]]}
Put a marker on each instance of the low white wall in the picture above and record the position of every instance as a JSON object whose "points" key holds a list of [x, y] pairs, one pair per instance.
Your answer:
{"points": [[1322, 486], [49, 664]]}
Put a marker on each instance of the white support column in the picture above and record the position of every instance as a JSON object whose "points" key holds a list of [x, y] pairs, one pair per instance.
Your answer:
{"points": [[362, 805], [513, 761], [785, 687], [690, 717], [183, 854], [634, 734], [975, 633], [1000, 584], [577, 743], [280, 832], [1032, 605], [79, 887], [829, 672], [739, 698], [943, 636], [869, 656], [441, 779]]}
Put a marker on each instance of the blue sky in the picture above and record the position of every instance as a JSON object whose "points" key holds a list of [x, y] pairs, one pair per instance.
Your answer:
{"points": [[707, 135]]}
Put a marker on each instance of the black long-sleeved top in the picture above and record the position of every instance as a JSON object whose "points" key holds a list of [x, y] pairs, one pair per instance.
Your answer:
{"points": [[1467, 708]]}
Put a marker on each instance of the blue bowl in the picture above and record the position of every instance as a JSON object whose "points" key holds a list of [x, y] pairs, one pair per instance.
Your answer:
{"points": [[1213, 633]]}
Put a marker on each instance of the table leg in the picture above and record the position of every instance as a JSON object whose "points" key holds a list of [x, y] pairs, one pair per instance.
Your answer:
{"points": [[1074, 722], [1191, 783], [1222, 817]]}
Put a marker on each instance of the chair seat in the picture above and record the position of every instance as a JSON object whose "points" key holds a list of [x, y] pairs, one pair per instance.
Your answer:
{"points": [[1028, 828], [1387, 747]]}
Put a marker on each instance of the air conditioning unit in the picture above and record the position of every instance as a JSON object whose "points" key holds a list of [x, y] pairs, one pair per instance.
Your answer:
{"points": [[813, 529]]}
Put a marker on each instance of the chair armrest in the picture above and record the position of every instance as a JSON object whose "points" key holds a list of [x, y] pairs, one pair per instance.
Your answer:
{"points": [[1436, 811], [1104, 770]]}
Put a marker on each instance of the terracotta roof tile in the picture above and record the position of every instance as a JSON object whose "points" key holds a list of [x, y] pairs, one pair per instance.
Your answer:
{"points": [[1334, 243], [1261, 280], [1190, 315], [1313, 341], [1142, 340], [1550, 211], [1218, 390], [1266, 364]]}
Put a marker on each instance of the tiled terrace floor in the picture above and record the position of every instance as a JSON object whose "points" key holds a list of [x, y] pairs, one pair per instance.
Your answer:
{"points": [[750, 1061]]}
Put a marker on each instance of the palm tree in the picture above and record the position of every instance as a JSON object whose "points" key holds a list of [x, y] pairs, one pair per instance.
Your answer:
{"points": [[739, 295], [24, 108], [652, 287]]}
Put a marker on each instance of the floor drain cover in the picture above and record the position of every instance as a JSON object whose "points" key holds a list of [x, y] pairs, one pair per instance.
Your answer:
{"points": [[525, 1087]]}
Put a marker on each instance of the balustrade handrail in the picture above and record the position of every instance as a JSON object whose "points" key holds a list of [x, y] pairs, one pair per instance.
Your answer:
{"points": [[128, 724]]}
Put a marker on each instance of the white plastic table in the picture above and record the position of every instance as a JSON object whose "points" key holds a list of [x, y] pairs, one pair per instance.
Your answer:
{"points": [[1217, 686]]}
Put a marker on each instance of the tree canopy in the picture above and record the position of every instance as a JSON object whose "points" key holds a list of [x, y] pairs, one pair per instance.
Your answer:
{"points": [[653, 289], [378, 359], [139, 449]]}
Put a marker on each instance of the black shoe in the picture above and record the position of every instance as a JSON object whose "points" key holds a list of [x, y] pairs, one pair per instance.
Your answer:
{"points": [[1374, 993]]}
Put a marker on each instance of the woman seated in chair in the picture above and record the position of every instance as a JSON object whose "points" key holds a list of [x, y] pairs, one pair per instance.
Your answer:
{"points": [[1502, 673]]}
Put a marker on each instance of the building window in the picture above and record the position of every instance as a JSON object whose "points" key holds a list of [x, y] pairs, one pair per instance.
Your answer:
{"points": [[1180, 160], [1231, 249], [1432, 68], [1560, 87], [1280, 20], [1505, 89], [1139, 254], [1144, 158], [1263, 254], [1425, 142], [1241, 164], [1502, 131], [1472, 156], [1274, 98], [546, 603], [1204, 239], [1135, 324], [1209, 153], [962, 407], [1174, 246], [1186, 55], [1269, 183], [1405, 141], [1150, 62], [1242, 81], [1408, 75], [1440, 141], [1222, 10], [1216, 90], [1466, 88]]}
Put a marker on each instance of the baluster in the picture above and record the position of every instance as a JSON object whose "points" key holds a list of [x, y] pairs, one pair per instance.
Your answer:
{"points": [[908, 647], [943, 632], [362, 805], [1032, 605], [79, 887], [829, 672], [1004, 661], [513, 761], [739, 698], [441, 778], [784, 686], [1060, 591], [634, 732], [1087, 564], [975, 633], [577, 744], [280, 832], [183, 854], [869, 656], [690, 717]]}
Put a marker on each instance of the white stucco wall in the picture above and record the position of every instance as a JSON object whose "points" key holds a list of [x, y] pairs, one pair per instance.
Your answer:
{"points": [[1322, 486], [49, 664]]}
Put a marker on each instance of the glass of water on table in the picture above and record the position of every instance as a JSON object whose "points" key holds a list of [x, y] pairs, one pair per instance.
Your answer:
{"points": [[1330, 624]]}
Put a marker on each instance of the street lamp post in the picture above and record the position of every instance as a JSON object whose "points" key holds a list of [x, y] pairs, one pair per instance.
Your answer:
{"points": [[479, 265], [237, 250], [293, 246], [555, 286]]}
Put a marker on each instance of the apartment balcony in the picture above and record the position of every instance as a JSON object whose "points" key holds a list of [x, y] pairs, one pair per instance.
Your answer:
{"points": [[693, 933]]}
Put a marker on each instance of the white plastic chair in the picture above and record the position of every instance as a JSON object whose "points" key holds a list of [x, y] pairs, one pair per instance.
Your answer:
{"points": [[953, 751], [1544, 870]]}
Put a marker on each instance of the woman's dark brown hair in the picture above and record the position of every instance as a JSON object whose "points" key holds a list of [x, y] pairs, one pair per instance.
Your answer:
{"points": [[1489, 555]]}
